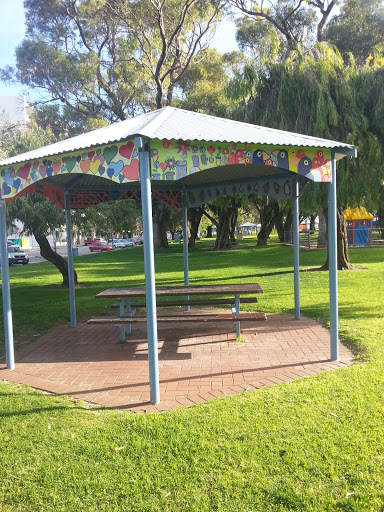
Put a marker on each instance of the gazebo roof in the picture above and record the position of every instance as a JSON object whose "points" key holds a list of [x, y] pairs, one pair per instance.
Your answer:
{"points": [[173, 123]]}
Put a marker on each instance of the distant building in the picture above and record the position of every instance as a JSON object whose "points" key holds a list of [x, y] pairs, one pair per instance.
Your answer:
{"points": [[14, 110]]}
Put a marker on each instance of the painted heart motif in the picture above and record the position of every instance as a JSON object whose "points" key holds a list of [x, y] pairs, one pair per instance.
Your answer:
{"points": [[84, 166], [34, 177], [83, 156], [70, 163], [110, 153], [121, 178], [101, 170], [78, 158], [56, 166], [36, 164], [211, 150], [134, 154], [115, 168], [13, 173], [49, 171], [163, 166], [17, 183], [126, 150], [43, 171], [98, 152], [29, 181], [94, 166], [91, 154], [6, 190], [24, 171], [131, 172]]}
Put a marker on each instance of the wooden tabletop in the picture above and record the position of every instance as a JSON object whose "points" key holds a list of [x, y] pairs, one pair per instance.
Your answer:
{"points": [[170, 291]]}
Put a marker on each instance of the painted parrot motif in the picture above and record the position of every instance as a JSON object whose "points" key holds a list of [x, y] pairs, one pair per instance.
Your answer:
{"points": [[304, 166]]}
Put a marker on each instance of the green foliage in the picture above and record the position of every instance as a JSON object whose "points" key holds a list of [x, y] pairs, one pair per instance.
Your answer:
{"points": [[358, 28], [319, 94]]}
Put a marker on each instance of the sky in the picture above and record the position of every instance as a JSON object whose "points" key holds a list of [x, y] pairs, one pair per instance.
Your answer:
{"points": [[12, 33]]}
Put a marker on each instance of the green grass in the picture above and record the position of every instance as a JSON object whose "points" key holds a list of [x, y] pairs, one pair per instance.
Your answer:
{"points": [[314, 444]]}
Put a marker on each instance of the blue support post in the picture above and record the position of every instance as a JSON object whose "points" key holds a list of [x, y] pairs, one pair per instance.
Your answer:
{"points": [[71, 279], [237, 310], [6, 289], [296, 248], [332, 260], [128, 312], [149, 267], [122, 315], [185, 252]]}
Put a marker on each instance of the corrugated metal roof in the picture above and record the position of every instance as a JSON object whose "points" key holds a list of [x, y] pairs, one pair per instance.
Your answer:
{"points": [[173, 123]]}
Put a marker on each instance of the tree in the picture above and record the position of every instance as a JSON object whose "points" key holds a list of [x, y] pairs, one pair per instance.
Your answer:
{"points": [[358, 28], [319, 94], [295, 21], [225, 210]]}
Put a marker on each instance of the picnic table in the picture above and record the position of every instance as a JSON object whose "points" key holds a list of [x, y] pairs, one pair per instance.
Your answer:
{"points": [[127, 308]]}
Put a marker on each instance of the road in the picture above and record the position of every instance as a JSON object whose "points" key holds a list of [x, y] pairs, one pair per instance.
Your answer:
{"points": [[34, 254]]}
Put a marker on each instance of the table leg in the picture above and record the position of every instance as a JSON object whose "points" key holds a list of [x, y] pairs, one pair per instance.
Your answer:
{"points": [[237, 310], [128, 313], [121, 327]]}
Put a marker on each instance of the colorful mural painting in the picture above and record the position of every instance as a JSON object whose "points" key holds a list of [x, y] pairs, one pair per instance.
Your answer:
{"points": [[171, 160], [176, 159], [117, 162]]}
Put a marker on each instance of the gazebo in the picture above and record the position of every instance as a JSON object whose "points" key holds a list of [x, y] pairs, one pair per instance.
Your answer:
{"points": [[180, 159]]}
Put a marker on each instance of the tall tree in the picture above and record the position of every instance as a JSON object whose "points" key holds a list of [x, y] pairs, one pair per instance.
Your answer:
{"points": [[321, 95], [358, 28]]}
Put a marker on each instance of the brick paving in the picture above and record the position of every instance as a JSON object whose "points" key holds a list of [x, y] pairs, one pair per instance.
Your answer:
{"points": [[196, 363]]}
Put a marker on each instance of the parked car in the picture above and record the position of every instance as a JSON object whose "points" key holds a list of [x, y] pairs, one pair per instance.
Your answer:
{"points": [[127, 242], [12, 244], [91, 240], [16, 256], [134, 241], [100, 247], [117, 243]]}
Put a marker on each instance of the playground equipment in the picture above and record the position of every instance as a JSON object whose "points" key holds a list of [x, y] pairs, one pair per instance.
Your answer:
{"points": [[359, 226]]}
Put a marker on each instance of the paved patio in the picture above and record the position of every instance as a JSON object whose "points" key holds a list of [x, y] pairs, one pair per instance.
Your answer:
{"points": [[196, 363]]}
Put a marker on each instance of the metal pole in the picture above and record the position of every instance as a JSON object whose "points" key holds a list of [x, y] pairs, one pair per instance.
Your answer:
{"points": [[71, 279], [149, 268], [6, 289], [185, 252], [296, 259], [332, 258]]}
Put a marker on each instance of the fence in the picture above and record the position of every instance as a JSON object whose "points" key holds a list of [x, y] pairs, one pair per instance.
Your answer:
{"points": [[360, 237]]}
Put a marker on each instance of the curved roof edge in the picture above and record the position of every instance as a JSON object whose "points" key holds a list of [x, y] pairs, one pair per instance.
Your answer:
{"points": [[173, 123]]}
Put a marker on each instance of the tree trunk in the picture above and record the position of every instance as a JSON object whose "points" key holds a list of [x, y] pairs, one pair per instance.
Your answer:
{"points": [[60, 263], [269, 213], [223, 230], [312, 219], [233, 224], [195, 215], [322, 238], [343, 262], [209, 232], [159, 219], [288, 226]]}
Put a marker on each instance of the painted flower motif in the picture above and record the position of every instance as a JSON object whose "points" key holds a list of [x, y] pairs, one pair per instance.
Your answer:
{"points": [[171, 163], [225, 151], [202, 149], [182, 147], [156, 164], [194, 149]]}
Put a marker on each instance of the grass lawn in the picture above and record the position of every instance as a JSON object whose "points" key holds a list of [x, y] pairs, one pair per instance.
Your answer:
{"points": [[314, 444]]}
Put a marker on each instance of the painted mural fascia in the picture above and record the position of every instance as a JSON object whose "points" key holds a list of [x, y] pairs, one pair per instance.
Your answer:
{"points": [[116, 162], [277, 187], [175, 159]]}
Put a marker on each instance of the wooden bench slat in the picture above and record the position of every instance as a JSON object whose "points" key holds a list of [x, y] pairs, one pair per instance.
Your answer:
{"points": [[191, 302], [174, 317]]}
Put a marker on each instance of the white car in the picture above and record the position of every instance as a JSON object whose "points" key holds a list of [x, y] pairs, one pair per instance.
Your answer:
{"points": [[117, 243], [127, 242]]}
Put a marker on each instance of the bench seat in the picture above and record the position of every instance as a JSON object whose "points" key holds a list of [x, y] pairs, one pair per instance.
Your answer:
{"points": [[183, 317], [191, 302]]}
